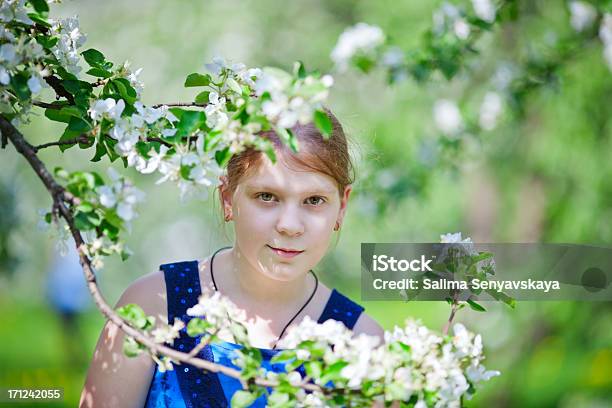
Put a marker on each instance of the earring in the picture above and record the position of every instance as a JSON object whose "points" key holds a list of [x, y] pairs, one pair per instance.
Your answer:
{"points": [[337, 226], [228, 217]]}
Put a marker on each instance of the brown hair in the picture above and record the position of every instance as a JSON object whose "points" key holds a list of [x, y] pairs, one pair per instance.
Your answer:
{"points": [[328, 156]]}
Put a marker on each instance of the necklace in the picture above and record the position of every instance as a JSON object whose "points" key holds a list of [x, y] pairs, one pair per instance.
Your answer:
{"points": [[212, 275]]}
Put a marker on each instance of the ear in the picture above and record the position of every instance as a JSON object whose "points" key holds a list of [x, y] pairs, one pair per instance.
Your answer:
{"points": [[224, 195], [343, 203]]}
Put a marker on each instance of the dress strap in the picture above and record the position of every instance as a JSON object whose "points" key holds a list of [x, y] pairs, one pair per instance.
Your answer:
{"points": [[341, 308], [199, 388]]}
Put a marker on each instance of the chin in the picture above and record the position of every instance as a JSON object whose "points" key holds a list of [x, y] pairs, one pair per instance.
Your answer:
{"points": [[282, 272]]}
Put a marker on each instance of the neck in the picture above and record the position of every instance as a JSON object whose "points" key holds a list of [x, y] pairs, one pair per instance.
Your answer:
{"points": [[239, 279]]}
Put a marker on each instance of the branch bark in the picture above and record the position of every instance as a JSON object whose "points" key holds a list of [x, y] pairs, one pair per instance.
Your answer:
{"points": [[60, 199]]}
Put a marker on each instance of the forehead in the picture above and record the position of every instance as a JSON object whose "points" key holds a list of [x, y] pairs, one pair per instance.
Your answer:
{"points": [[288, 176]]}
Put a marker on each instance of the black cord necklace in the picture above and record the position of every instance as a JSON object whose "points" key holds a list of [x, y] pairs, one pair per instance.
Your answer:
{"points": [[212, 275]]}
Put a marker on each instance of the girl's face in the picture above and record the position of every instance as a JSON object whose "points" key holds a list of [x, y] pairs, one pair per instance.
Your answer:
{"points": [[284, 218]]}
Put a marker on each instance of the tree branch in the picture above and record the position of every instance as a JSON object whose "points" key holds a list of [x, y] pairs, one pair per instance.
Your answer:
{"points": [[60, 197], [47, 105], [82, 138], [55, 83], [179, 104]]}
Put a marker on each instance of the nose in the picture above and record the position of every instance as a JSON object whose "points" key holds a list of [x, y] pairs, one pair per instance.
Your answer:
{"points": [[289, 221]]}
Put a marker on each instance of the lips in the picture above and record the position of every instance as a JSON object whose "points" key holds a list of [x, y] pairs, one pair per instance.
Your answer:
{"points": [[285, 252]]}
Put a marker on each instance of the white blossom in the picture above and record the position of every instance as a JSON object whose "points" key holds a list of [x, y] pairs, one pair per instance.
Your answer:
{"points": [[218, 310], [14, 10], [133, 77], [216, 116], [70, 39], [121, 196], [166, 333], [485, 10], [477, 373], [605, 33], [490, 110], [289, 103], [35, 84], [447, 117], [462, 29], [445, 17], [582, 15], [108, 108], [361, 38]]}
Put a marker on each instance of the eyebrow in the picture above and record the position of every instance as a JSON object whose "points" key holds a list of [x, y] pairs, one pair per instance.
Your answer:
{"points": [[264, 187]]}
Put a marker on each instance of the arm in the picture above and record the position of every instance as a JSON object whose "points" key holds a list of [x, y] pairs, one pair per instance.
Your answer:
{"points": [[113, 379]]}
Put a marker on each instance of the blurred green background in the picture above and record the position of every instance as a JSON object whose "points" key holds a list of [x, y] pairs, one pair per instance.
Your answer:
{"points": [[543, 175]]}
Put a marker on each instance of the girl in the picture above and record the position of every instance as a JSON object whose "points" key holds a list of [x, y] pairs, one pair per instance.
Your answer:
{"points": [[284, 215]]}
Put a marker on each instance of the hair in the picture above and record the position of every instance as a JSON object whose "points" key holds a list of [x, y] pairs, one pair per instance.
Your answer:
{"points": [[328, 156]]}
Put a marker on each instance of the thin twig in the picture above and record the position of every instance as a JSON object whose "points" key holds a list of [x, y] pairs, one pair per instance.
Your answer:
{"points": [[201, 105], [47, 105], [82, 138]]}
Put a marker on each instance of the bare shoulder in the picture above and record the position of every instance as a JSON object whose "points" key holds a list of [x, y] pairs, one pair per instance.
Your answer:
{"points": [[113, 379], [366, 324], [149, 292]]}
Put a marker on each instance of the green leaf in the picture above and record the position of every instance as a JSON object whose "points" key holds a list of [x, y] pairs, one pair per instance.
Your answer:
{"points": [[223, 156], [131, 347], [68, 135], [197, 326], [77, 124], [278, 399], [196, 79], [288, 138], [323, 123], [134, 315], [476, 306], [242, 398], [85, 207], [39, 19], [19, 83], [233, 85], [99, 73], [110, 148], [189, 122], [284, 355], [267, 147], [502, 296], [58, 115], [61, 173], [100, 152], [81, 222], [333, 371], [299, 70], [61, 71], [40, 6], [76, 87], [482, 256], [202, 97], [125, 89], [313, 368], [94, 58], [46, 42]]}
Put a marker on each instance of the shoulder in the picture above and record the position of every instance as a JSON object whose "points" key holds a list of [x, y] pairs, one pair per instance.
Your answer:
{"points": [[149, 292], [367, 325], [364, 324]]}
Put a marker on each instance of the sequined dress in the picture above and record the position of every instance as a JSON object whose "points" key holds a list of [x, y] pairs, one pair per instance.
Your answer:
{"points": [[189, 387]]}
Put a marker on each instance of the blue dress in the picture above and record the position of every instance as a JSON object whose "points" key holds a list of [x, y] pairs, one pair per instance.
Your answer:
{"points": [[189, 387]]}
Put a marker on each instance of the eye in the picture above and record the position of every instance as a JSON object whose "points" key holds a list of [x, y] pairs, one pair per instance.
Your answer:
{"points": [[315, 200], [265, 197]]}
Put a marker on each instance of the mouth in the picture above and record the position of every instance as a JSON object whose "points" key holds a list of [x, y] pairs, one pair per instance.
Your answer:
{"points": [[285, 252]]}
